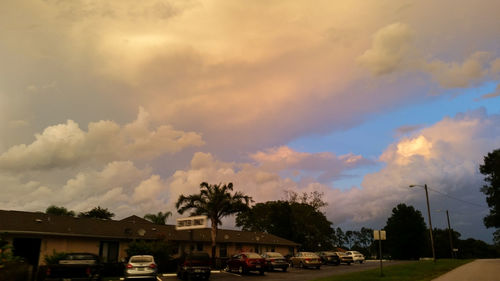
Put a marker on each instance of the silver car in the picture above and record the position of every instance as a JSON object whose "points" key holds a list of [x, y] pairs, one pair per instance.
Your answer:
{"points": [[356, 256], [141, 267]]}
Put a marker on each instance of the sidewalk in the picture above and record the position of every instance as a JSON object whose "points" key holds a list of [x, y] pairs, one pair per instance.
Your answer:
{"points": [[478, 270]]}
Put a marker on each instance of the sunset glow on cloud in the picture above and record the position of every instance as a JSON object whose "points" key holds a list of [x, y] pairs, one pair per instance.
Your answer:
{"points": [[129, 104]]}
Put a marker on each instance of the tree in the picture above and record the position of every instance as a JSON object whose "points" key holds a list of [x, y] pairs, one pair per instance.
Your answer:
{"points": [[299, 222], [59, 211], [214, 201], [160, 218], [98, 213], [491, 169], [406, 233]]}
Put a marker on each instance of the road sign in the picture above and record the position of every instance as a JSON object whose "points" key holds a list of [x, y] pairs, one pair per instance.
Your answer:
{"points": [[196, 222], [379, 235]]}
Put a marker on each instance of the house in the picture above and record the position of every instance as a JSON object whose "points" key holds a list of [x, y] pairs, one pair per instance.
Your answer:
{"points": [[35, 235]]}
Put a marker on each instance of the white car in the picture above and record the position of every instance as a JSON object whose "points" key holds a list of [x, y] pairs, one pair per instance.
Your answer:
{"points": [[141, 267], [356, 256]]}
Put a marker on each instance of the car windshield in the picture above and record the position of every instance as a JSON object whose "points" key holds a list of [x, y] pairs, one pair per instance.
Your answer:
{"points": [[274, 255], [197, 257], [341, 254], [328, 253], [141, 259], [253, 256], [305, 254]]}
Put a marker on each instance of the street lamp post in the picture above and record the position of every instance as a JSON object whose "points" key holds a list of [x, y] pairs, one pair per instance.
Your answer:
{"points": [[430, 221]]}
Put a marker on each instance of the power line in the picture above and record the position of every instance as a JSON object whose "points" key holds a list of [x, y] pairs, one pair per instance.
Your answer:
{"points": [[458, 199]]}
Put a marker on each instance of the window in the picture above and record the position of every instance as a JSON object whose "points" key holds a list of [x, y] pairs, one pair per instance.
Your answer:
{"points": [[256, 248], [199, 247], [238, 246], [223, 250], [108, 251]]}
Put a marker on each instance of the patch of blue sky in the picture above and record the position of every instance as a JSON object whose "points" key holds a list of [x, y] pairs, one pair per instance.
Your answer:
{"points": [[372, 137]]}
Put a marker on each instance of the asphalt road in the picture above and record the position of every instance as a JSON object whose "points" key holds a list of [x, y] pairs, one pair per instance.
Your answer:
{"points": [[295, 274]]}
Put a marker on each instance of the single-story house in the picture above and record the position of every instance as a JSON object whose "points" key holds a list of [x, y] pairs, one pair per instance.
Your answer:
{"points": [[35, 235]]}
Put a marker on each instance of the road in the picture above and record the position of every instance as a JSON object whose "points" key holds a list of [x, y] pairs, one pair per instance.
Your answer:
{"points": [[478, 270], [295, 274]]}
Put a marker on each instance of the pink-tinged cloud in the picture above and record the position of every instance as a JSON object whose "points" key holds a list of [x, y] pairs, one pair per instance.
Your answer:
{"points": [[327, 165]]}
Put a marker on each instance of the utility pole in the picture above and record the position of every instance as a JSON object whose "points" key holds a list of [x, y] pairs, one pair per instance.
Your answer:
{"points": [[430, 223], [450, 234]]}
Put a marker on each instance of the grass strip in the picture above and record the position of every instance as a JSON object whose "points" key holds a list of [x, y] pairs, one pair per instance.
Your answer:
{"points": [[414, 271]]}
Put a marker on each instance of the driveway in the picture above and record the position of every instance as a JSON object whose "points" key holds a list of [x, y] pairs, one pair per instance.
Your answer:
{"points": [[478, 270]]}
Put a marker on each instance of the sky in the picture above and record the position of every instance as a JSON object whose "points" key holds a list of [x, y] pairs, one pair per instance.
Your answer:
{"points": [[127, 105]]}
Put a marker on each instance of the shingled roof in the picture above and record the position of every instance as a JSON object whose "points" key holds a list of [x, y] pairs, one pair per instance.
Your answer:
{"points": [[54, 225], [133, 227]]}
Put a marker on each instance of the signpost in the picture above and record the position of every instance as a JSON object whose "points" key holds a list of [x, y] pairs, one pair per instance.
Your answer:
{"points": [[379, 235], [191, 223]]}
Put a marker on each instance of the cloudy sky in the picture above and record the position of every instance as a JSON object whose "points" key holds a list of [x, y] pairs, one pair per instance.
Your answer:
{"points": [[128, 104]]}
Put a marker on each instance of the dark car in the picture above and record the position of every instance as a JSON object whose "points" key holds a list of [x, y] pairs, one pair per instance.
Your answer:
{"points": [[194, 266], [329, 257], [141, 267], [275, 260], [245, 262]]}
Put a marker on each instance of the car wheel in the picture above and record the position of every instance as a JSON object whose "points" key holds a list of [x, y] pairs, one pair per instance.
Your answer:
{"points": [[240, 270], [227, 269], [261, 272], [301, 265], [317, 267], [284, 269]]}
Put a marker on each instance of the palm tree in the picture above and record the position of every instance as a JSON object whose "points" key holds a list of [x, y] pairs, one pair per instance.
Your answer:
{"points": [[160, 218], [214, 201]]}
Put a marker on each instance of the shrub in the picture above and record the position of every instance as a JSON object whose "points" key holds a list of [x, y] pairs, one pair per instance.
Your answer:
{"points": [[55, 257]]}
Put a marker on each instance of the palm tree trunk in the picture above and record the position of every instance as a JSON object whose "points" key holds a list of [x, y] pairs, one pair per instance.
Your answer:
{"points": [[214, 235]]}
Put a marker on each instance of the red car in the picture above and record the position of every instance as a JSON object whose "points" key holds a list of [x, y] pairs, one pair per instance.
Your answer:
{"points": [[245, 262]]}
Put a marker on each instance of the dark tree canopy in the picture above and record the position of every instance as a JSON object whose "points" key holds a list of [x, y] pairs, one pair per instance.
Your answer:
{"points": [[491, 170], [98, 213], [160, 218], [406, 233], [299, 222], [59, 211], [215, 201]]}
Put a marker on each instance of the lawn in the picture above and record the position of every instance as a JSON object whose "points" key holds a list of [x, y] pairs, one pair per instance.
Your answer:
{"points": [[415, 271]]}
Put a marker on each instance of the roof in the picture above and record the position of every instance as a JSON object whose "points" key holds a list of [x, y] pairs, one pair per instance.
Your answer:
{"points": [[38, 223], [133, 227]]}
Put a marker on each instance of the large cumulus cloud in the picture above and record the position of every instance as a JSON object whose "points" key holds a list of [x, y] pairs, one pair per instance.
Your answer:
{"points": [[66, 145]]}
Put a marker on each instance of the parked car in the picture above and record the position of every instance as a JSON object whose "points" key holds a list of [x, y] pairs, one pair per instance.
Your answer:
{"points": [[141, 267], [245, 262], [329, 257], [75, 266], [194, 266], [306, 259], [275, 260], [356, 256], [344, 258]]}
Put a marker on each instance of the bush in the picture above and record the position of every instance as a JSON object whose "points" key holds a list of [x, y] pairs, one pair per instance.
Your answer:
{"points": [[55, 257]]}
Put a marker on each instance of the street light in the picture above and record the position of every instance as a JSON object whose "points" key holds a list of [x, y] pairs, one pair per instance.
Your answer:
{"points": [[430, 221]]}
